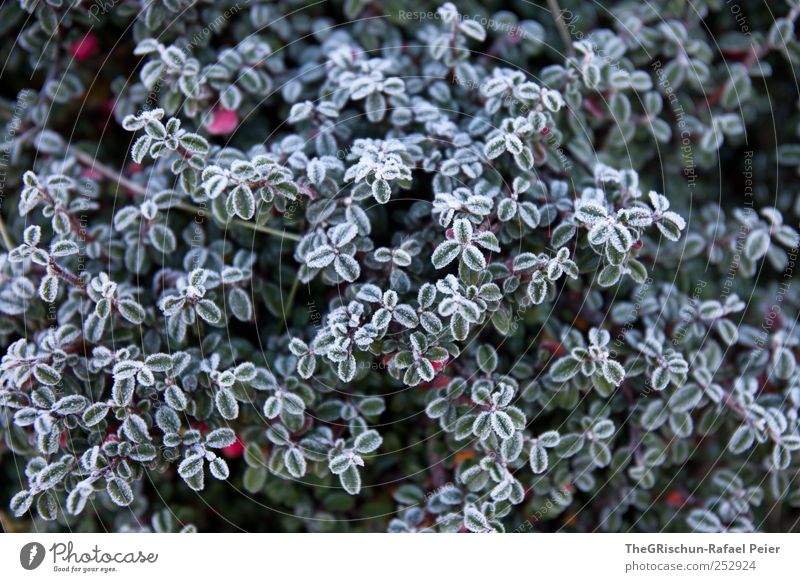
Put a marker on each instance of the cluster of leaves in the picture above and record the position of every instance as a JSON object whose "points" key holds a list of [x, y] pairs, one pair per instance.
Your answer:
{"points": [[412, 261]]}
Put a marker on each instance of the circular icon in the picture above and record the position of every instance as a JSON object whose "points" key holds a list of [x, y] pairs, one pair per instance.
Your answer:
{"points": [[31, 555]]}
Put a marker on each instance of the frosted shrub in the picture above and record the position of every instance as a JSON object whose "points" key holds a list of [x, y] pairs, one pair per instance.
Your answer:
{"points": [[435, 270]]}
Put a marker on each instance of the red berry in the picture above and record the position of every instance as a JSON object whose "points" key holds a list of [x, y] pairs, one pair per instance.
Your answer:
{"points": [[676, 498], [441, 381], [235, 450], [638, 244], [449, 233], [439, 366], [84, 48], [108, 106], [199, 425], [554, 347]]}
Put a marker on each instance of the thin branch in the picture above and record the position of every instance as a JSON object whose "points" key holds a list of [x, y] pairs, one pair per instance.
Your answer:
{"points": [[287, 308], [252, 226], [107, 172], [7, 242], [136, 188], [558, 16], [64, 274]]}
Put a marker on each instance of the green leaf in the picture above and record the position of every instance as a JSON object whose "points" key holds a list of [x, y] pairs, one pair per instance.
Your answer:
{"points": [[538, 459], [347, 368], [562, 234], [46, 374], [537, 289], [784, 363], [242, 202], [120, 492], [727, 331], [684, 399], [63, 248], [437, 408], [220, 437], [462, 231], [601, 454], [506, 209], [602, 386], [140, 147], [347, 268], [208, 311], [306, 366], [381, 191], [473, 258], [136, 428], [351, 480], [194, 143], [445, 253], [227, 405], [190, 466], [487, 358], [502, 424], [569, 445], [472, 29], [219, 469], [240, 305], [669, 228], [95, 414], [72, 404], [320, 257], [48, 288], [524, 159], [295, 462], [459, 327], [741, 440], [343, 234], [368, 441], [475, 521], [131, 310], [609, 275], [565, 368], [613, 372], [756, 244], [495, 147], [703, 520], [603, 429]]}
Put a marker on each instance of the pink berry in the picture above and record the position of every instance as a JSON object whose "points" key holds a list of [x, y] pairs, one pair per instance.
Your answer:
{"points": [[84, 48], [92, 174], [223, 121]]}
